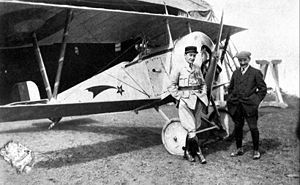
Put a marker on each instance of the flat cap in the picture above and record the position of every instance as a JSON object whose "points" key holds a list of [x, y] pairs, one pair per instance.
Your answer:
{"points": [[243, 54], [191, 49]]}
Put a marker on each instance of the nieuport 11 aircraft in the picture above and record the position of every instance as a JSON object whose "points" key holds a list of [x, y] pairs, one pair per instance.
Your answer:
{"points": [[65, 58]]}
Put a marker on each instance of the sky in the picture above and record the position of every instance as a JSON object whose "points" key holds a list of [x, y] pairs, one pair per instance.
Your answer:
{"points": [[273, 33]]}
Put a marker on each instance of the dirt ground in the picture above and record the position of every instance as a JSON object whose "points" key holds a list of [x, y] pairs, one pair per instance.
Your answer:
{"points": [[126, 148]]}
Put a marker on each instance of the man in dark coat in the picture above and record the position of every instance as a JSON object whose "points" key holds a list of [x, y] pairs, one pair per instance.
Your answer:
{"points": [[246, 90]]}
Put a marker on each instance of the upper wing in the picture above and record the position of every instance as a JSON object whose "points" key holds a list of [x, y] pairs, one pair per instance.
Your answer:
{"points": [[149, 6], [18, 19]]}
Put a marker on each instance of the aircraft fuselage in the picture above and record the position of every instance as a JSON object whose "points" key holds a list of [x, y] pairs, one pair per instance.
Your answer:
{"points": [[82, 61]]}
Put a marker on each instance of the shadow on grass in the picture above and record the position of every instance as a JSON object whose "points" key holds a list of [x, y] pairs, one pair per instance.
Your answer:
{"points": [[266, 144], [129, 139], [136, 138]]}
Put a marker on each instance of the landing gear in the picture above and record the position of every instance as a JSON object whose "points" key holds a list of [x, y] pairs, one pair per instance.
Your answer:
{"points": [[225, 120], [227, 123], [174, 135]]}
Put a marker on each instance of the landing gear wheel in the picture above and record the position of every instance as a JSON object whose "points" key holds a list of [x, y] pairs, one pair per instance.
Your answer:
{"points": [[173, 137], [226, 122]]}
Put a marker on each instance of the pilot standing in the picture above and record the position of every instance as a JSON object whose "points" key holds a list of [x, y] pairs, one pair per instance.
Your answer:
{"points": [[189, 88], [245, 92]]}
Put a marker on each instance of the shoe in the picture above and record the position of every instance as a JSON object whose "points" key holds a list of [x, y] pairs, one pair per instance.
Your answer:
{"points": [[256, 155], [188, 157], [238, 152], [202, 160]]}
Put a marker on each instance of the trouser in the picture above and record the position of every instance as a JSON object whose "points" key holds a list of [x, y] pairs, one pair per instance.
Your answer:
{"points": [[239, 120], [190, 119]]}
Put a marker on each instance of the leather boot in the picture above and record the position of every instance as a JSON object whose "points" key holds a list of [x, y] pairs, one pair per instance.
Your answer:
{"points": [[201, 156], [202, 159], [187, 155]]}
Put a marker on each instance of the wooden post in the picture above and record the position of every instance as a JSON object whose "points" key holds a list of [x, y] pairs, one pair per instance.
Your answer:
{"points": [[264, 64], [274, 67]]}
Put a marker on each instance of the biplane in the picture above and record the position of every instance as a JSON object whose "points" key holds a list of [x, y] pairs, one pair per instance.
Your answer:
{"points": [[80, 57]]}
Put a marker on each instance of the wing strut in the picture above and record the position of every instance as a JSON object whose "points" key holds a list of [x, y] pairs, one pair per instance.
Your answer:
{"points": [[225, 47], [171, 44], [43, 71], [189, 27], [209, 78], [62, 53]]}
